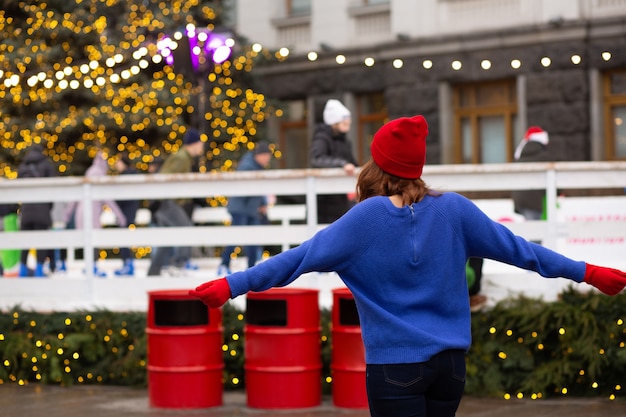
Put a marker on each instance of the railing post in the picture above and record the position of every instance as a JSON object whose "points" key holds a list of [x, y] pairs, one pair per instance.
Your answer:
{"points": [[551, 209], [311, 205], [285, 224], [88, 256]]}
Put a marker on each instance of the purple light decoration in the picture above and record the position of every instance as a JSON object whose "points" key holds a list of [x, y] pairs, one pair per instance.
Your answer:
{"points": [[217, 48], [221, 54]]}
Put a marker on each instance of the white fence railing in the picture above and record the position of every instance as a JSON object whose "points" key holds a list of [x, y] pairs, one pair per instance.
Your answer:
{"points": [[84, 291]]}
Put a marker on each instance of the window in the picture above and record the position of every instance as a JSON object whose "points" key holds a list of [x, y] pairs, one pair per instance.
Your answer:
{"points": [[484, 122], [298, 7], [293, 140], [615, 115], [372, 114]]}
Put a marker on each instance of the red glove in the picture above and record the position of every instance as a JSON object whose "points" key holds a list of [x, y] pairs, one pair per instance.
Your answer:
{"points": [[608, 280], [213, 293]]}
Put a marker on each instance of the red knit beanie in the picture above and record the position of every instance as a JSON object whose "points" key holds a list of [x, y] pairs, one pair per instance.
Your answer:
{"points": [[399, 147]]}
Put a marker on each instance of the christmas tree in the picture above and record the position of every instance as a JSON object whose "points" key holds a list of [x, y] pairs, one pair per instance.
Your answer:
{"points": [[82, 75]]}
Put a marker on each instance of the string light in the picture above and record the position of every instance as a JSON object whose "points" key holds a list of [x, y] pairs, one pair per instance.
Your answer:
{"points": [[457, 65]]}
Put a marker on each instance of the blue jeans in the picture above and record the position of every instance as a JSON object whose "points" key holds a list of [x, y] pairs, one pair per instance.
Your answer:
{"points": [[251, 252], [426, 389]]}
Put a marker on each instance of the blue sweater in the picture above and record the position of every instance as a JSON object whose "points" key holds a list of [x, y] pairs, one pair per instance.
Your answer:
{"points": [[406, 270]]}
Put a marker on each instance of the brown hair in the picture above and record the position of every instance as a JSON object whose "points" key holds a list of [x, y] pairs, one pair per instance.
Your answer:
{"points": [[373, 181]]}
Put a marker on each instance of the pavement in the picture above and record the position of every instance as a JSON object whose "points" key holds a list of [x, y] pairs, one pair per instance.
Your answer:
{"points": [[106, 401]]}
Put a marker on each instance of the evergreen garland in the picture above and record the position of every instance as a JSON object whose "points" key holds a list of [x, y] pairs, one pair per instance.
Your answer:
{"points": [[522, 348], [529, 348]]}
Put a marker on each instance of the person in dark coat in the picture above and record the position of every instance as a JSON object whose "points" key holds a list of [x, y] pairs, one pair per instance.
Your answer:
{"points": [[35, 216], [331, 148], [171, 212], [124, 166], [533, 148]]}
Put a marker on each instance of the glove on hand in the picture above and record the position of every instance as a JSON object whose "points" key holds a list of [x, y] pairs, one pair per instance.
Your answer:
{"points": [[608, 280], [213, 293]]}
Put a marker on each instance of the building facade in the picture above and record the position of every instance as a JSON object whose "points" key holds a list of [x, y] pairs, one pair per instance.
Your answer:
{"points": [[480, 71]]}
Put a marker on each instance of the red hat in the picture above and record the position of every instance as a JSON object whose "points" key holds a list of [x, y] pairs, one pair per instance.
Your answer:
{"points": [[537, 134], [399, 147]]}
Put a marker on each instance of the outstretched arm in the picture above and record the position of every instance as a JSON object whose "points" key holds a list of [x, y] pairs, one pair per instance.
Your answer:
{"points": [[495, 241]]}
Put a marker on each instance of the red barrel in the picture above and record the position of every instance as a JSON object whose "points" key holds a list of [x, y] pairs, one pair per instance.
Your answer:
{"points": [[185, 361], [347, 362], [283, 363]]}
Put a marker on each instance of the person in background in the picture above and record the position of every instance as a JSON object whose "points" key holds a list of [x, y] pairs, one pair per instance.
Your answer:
{"points": [[402, 252], [155, 165], [330, 148], [75, 209], [124, 166], [247, 210], [153, 168], [477, 300], [9, 258], [532, 148], [35, 216], [58, 257], [171, 213]]}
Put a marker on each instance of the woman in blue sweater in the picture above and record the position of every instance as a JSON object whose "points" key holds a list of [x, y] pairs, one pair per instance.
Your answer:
{"points": [[402, 252]]}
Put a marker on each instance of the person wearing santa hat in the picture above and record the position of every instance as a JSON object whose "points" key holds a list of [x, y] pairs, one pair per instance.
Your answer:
{"points": [[532, 148], [330, 148], [402, 252]]}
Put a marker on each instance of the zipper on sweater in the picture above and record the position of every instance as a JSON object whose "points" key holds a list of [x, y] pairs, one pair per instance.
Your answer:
{"points": [[413, 232]]}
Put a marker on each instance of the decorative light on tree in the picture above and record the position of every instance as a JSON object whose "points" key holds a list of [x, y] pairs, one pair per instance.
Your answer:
{"points": [[216, 46], [166, 47], [205, 48]]}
